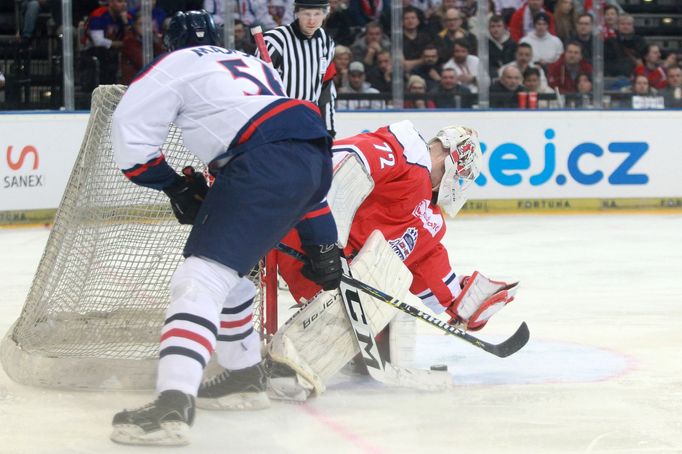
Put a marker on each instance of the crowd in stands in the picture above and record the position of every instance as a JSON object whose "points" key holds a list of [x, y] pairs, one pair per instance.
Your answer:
{"points": [[534, 46]]}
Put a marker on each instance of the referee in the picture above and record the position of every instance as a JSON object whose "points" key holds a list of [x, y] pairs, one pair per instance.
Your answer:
{"points": [[303, 54]]}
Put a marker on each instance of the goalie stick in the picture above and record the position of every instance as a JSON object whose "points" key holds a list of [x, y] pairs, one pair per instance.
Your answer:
{"points": [[377, 366], [508, 347]]}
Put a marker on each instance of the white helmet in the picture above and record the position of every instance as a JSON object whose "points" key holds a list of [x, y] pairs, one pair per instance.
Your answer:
{"points": [[462, 166]]}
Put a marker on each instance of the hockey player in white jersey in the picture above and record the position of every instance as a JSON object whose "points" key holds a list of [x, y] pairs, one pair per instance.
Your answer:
{"points": [[270, 175]]}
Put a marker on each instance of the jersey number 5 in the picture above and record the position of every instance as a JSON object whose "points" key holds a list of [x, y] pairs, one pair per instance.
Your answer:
{"points": [[273, 87]]}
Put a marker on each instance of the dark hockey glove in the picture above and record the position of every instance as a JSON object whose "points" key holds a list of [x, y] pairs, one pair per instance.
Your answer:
{"points": [[323, 266], [187, 194]]}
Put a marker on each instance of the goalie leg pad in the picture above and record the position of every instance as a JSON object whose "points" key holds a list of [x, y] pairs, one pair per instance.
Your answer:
{"points": [[318, 340]]}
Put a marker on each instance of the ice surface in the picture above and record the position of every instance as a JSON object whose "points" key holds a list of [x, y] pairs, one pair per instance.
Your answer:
{"points": [[602, 295]]}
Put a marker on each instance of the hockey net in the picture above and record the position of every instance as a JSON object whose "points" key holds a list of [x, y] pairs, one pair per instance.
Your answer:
{"points": [[94, 312]]}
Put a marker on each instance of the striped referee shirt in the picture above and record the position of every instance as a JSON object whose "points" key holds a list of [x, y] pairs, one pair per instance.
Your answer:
{"points": [[305, 65]]}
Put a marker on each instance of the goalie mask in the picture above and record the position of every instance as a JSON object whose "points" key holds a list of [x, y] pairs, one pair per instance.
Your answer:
{"points": [[193, 28], [462, 166]]}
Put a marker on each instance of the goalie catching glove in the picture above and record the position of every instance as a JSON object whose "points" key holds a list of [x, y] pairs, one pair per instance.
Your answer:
{"points": [[187, 194], [479, 300], [323, 266]]}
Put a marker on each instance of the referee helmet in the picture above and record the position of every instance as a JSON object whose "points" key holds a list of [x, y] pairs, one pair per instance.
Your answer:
{"points": [[191, 28], [299, 4]]}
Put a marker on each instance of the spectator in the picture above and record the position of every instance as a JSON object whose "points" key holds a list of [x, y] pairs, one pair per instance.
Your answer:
{"points": [[358, 85], [583, 34], [31, 9], [533, 82], [436, 21], [452, 32], [381, 76], [416, 86], [362, 12], [610, 26], [652, 67], [242, 39], [429, 69], [673, 92], [501, 48], [338, 24], [342, 59], [634, 44], [131, 51], [565, 19], [522, 21], [251, 13], [281, 11], [524, 60], [506, 8], [642, 87], [584, 84], [427, 7], [449, 93], [106, 28], [368, 45], [464, 65], [547, 48], [158, 17], [563, 74], [621, 52], [421, 16], [504, 92], [414, 40]]}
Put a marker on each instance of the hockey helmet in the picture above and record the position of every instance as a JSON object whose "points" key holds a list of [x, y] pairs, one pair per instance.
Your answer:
{"points": [[462, 166], [191, 28]]}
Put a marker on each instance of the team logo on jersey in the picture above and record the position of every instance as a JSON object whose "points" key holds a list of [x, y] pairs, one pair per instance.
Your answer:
{"points": [[404, 245], [432, 222]]}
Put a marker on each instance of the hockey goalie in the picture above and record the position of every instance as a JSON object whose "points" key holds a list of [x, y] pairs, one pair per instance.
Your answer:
{"points": [[383, 195], [387, 194]]}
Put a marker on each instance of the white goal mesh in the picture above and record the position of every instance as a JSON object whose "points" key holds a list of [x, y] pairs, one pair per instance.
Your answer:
{"points": [[93, 316]]}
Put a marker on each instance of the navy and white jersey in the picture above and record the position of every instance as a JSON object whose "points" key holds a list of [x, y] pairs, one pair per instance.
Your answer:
{"points": [[224, 102]]}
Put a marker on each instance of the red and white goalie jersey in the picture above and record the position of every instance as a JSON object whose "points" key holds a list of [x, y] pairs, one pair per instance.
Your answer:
{"points": [[398, 160]]}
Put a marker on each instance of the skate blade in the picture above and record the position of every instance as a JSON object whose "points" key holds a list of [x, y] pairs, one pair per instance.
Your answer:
{"points": [[238, 401], [170, 434]]}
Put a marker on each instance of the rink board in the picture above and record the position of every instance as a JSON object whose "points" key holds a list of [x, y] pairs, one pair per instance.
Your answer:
{"points": [[533, 161]]}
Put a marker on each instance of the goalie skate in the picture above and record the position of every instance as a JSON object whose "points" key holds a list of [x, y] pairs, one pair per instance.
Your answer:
{"points": [[164, 422], [242, 389]]}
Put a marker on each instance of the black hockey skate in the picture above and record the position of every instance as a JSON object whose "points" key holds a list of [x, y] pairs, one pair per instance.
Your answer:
{"points": [[165, 422], [242, 389]]}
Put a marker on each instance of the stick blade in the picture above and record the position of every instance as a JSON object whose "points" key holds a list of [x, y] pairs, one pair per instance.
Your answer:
{"points": [[514, 343]]}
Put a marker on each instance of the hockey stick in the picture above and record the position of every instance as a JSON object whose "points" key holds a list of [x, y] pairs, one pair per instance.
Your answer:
{"points": [[377, 366], [257, 34], [508, 347]]}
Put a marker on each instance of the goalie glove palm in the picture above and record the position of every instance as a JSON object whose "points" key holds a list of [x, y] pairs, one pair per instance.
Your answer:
{"points": [[187, 194], [323, 266]]}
